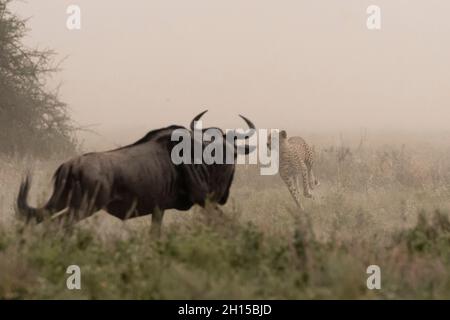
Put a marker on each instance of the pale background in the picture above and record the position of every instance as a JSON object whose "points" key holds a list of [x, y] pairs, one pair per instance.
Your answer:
{"points": [[306, 66]]}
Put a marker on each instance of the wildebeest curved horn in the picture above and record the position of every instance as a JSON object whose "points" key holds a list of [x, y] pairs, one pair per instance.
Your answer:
{"points": [[196, 119], [251, 127], [249, 123]]}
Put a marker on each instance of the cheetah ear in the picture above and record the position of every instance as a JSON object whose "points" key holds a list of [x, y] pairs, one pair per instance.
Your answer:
{"points": [[283, 134]]}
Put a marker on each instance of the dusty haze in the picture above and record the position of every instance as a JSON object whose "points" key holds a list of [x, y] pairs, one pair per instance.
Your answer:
{"points": [[300, 65]]}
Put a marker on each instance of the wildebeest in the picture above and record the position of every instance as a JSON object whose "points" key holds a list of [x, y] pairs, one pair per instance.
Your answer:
{"points": [[135, 180]]}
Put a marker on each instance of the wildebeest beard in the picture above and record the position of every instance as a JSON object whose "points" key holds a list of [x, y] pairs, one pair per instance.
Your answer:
{"points": [[131, 181]]}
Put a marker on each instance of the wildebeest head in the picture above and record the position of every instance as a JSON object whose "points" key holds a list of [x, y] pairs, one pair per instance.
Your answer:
{"points": [[229, 138], [215, 174]]}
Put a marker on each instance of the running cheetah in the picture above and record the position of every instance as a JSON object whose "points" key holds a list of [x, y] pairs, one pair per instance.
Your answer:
{"points": [[296, 161]]}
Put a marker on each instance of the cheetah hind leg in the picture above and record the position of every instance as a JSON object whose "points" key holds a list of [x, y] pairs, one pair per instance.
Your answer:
{"points": [[294, 190], [313, 182], [306, 182]]}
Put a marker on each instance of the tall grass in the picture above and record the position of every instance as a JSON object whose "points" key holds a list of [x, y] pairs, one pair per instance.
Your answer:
{"points": [[379, 203]]}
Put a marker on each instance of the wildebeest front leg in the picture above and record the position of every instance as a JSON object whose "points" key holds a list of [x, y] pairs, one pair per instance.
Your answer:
{"points": [[157, 217]]}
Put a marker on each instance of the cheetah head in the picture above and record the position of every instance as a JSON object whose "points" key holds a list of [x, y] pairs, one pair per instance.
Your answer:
{"points": [[282, 136]]}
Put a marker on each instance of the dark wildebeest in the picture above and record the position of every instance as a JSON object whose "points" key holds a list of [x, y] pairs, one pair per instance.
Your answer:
{"points": [[135, 180]]}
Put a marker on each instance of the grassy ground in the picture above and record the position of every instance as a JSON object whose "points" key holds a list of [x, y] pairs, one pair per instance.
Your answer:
{"points": [[383, 202]]}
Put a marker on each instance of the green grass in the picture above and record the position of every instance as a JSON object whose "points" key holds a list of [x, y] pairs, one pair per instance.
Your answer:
{"points": [[224, 259]]}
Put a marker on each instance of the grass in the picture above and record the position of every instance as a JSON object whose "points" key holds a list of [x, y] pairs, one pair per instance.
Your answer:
{"points": [[382, 204]]}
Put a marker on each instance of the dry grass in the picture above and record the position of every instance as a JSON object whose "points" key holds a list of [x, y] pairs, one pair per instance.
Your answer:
{"points": [[383, 202]]}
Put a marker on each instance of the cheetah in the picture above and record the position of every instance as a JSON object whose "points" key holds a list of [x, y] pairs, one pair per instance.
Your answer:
{"points": [[296, 162]]}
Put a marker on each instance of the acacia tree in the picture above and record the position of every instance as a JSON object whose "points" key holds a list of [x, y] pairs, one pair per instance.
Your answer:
{"points": [[32, 118]]}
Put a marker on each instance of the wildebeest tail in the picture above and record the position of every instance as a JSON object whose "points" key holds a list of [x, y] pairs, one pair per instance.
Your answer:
{"points": [[57, 201], [23, 209]]}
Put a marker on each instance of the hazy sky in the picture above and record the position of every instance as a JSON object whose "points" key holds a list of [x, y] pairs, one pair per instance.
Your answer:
{"points": [[301, 65]]}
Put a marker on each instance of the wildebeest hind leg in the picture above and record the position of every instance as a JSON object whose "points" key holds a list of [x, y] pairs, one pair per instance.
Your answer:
{"points": [[69, 217], [81, 206]]}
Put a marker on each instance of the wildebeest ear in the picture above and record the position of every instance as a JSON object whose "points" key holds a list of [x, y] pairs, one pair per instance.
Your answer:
{"points": [[283, 134]]}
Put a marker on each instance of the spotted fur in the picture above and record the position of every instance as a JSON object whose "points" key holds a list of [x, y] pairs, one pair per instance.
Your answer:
{"points": [[296, 163]]}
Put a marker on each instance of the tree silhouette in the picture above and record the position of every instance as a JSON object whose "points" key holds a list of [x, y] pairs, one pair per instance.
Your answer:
{"points": [[32, 117]]}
